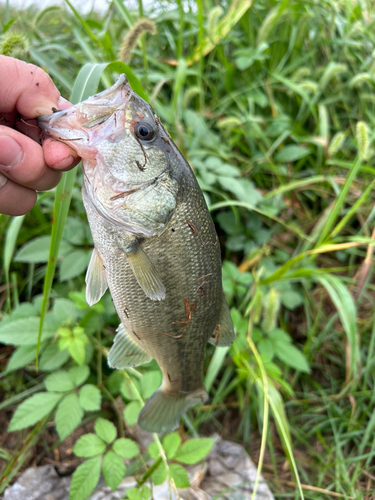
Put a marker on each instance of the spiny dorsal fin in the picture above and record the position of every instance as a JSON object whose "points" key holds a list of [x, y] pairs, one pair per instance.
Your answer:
{"points": [[96, 279], [125, 352], [223, 335], [144, 271]]}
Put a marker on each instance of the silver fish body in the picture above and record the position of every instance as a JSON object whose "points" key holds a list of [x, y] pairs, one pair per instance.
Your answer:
{"points": [[155, 245]]}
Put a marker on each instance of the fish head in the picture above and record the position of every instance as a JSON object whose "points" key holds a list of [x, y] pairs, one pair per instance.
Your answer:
{"points": [[117, 132]]}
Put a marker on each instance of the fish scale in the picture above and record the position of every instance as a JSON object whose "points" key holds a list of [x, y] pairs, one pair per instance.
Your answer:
{"points": [[156, 246]]}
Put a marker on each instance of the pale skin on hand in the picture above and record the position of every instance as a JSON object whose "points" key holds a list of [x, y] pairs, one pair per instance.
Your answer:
{"points": [[27, 92]]}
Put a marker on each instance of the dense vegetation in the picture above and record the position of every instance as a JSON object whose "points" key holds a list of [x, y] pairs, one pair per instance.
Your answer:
{"points": [[272, 104]]}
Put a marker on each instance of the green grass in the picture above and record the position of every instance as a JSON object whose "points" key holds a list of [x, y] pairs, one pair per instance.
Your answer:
{"points": [[266, 100]]}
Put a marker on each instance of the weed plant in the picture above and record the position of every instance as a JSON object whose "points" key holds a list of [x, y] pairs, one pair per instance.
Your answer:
{"points": [[272, 103]]}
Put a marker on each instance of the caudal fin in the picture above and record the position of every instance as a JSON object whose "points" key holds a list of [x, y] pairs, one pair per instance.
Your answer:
{"points": [[162, 412]]}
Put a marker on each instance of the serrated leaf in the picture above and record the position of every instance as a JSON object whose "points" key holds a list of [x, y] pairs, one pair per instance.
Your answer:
{"points": [[85, 478], [146, 492], [90, 397], [159, 475], [77, 350], [134, 494], [89, 445], [194, 450], [24, 331], [113, 469], [131, 412], [150, 382], [153, 450], [32, 410], [21, 357], [74, 264], [59, 381], [171, 442], [105, 430], [53, 358], [126, 448], [68, 416], [79, 374], [291, 356], [179, 476], [127, 388]]}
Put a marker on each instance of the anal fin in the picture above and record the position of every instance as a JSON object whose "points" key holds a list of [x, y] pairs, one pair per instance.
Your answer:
{"points": [[162, 411], [96, 279], [223, 335], [144, 271], [125, 352]]}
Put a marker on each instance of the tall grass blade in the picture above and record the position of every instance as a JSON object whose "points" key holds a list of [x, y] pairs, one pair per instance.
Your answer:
{"points": [[9, 246], [345, 306]]}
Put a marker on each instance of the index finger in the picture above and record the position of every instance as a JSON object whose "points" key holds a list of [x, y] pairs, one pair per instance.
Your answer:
{"points": [[26, 88]]}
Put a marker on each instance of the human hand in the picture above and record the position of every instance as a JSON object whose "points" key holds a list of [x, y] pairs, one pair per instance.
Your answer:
{"points": [[26, 91]]}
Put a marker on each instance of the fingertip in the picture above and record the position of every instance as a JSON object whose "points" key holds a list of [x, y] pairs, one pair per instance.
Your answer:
{"points": [[59, 155]]}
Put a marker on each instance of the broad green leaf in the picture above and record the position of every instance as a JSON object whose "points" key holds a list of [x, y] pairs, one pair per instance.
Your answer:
{"points": [[194, 450], [25, 310], [68, 416], [179, 476], [126, 448], [150, 382], [131, 412], [85, 478], [37, 250], [79, 374], [59, 381], [77, 349], [291, 299], [291, 356], [90, 397], [53, 358], [113, 469], [153, 450], [134, 494], [146, 492], [65, 310], [291, 153], [105, 430], [89, 445], [127, 388], [171, 442], [24, 332], [159, 475], [74, 264], [32, 410], [21, 357]]}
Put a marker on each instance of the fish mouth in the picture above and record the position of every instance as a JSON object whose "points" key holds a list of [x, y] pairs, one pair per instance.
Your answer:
{"points": [[77, 123]]}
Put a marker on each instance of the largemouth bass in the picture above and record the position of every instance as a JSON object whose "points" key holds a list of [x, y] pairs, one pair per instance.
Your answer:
{"points": [[156, 248]]}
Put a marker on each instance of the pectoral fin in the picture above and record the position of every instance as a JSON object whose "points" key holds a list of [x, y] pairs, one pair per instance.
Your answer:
{"points": [[144, 271], [125, 352], [96, 279], [223, 335]]}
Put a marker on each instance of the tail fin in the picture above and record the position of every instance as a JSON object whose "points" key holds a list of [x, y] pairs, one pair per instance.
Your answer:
{"points": [[162, 412]]}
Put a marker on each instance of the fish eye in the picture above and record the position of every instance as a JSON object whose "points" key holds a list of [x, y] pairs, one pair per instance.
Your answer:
{"points": [[144, 131]]}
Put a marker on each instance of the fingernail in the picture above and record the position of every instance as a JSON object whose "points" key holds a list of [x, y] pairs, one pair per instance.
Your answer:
{"points": [[3, 180], [64, 163], [11, 152]]}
